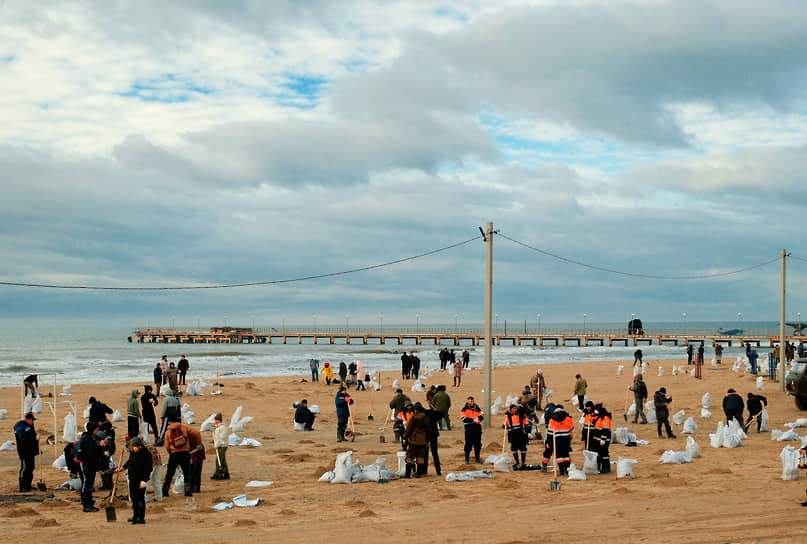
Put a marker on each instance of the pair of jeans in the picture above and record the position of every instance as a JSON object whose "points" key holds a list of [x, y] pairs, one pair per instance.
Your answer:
{"points": [[314, 375]]}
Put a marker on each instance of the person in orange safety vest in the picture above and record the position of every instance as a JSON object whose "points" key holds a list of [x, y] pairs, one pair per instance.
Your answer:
{"points": [[517, 426], [472, 417], [560, 428], [602, 438]]}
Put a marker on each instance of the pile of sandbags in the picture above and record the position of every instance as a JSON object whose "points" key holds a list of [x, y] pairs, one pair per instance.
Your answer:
{"points": [[347, 471]]}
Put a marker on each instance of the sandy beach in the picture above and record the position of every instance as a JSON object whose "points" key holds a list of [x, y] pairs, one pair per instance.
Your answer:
{"points": [[728, 495]]}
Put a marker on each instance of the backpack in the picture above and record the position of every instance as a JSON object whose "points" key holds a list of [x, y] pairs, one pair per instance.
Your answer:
{"points": [[177, 438]]}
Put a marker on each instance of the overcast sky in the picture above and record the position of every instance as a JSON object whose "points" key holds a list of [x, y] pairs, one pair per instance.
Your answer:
{"points": [[206, 142]]}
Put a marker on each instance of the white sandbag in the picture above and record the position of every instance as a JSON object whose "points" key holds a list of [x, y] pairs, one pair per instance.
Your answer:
{"points": [[760, 384], [547, 394], [117, 416], [635, 371], [3, 414], [621, 435], [233, 439], [511, 399], [344, 468], [763, 421], [499, 401], [661, 371], [60, 463], [240, 426], [235, 418], [675, 370], [632, 409], [733, 435], [620, 370], [716, 439], [801, 422], [65, 391], [314, 409], [575, 474], [418, 387], [632, 438], [468, 476], [179, 484], [7, 446], [326, 477], [144, 432], [299, 426], [69, 429], [28, 404], [671, 457], [692, 448], [396, 384], [705, 413], [590, 462], [624, 467], [494, 410], [502, 463], [207, 425], [714, 362], [651, 415], [36, 407], [790, 463], [689, 426], [223, 506], [86, 413], [189, 418], [250, 442], [678, 417], [644, 368], [784, 436], [165, 389], [74, 484]]}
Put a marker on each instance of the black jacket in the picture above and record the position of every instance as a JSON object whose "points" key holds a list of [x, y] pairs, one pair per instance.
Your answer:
{"points": [[25, 435], [755, 404], [303, 415], [147, 408], [139, 465], [183, 364], [89, 452], [660, 402], [733, 402], [98, 411]]}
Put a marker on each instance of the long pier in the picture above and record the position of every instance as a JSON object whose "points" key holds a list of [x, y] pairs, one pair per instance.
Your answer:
{"points": [[232, 335]]}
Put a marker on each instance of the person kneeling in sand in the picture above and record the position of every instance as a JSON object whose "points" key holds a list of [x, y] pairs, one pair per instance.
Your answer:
{"points": [[304, 416]]}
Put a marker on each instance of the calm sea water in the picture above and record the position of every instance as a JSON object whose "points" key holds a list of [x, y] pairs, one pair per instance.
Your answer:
{"points": [[100, 355]]}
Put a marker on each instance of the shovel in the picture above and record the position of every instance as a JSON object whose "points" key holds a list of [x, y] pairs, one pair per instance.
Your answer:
{"points": [[110, 510], [554, 485], [40, 485], [372, 396]]}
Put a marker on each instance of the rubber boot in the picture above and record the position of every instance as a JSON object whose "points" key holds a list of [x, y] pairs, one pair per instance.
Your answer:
{"points": [[516, 466], [605, 467], [467, 458], [523, 458], [165, 490], [408, 473], [226, 476]]}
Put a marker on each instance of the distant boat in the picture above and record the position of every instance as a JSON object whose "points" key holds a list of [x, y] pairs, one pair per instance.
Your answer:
{"points": [[730, 332]]}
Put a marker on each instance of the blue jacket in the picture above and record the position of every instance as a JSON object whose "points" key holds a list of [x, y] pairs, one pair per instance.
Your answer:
{"points": [[342, 401], [25, 435]]}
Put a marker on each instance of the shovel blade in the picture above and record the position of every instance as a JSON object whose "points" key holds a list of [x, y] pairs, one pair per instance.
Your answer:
{"points": [[554, 485], [110, 513], [41, 486]]}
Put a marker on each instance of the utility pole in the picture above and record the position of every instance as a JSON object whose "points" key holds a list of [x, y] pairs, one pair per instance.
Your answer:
{"points": [[782, 357], [487, 236]]}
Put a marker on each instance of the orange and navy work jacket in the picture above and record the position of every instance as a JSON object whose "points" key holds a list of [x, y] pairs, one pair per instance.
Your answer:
{"points": [[469, 413], [405, 416], [515, 422], [560, 428], [603, 422]]}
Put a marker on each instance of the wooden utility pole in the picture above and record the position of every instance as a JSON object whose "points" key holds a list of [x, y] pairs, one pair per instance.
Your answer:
{"points": [[488, 316]]}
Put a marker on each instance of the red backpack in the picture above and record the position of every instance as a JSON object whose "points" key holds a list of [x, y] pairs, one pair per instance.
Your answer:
{"points": [[177, 438]]}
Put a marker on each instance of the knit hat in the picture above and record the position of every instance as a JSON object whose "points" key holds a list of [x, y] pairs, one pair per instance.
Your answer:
{"points": [[218, 417]]}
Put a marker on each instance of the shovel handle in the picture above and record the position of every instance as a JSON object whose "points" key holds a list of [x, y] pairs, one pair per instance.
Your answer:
{"points": [[117, 475]]}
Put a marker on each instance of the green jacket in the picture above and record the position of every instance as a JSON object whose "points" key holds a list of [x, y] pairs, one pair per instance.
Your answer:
{"points": [[133, 405], [580, 386], [441, 402]]}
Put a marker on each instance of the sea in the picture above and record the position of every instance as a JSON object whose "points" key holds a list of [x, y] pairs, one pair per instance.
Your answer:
{"points": [[104, 355]]}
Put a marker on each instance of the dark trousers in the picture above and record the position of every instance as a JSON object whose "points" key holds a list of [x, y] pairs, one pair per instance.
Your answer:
{"points": [[138, 497], [182, 374], [314, 374], [666, 422], [341, 427], [27, 465], [196, 469], [734, 414], [181, 459], [88, 478], [473, 440], [435, 456], [133, 426], [581, 401]]}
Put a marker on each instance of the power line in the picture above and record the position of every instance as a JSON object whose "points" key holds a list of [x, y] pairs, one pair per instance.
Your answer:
{"points": [[633, 274], [248, 284], [798, 258]]}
